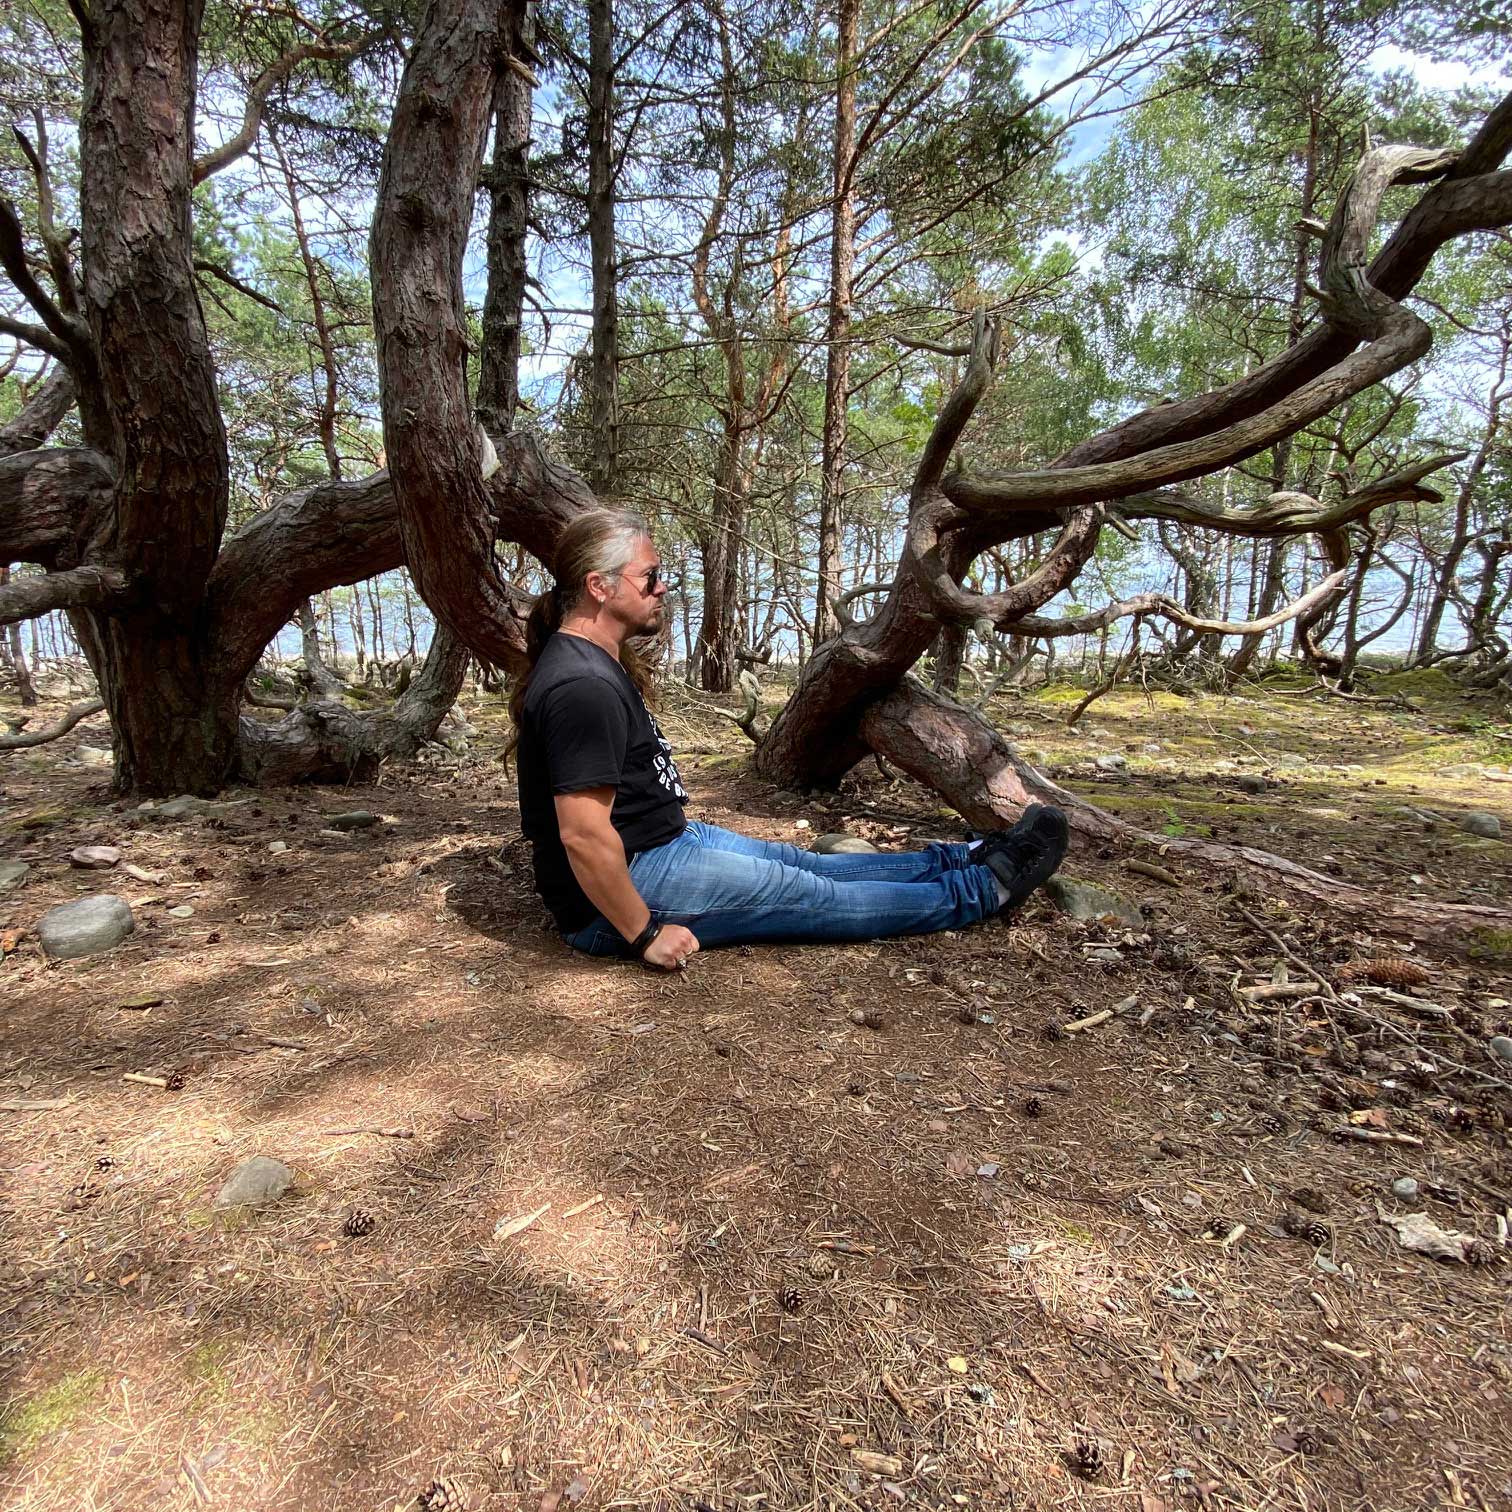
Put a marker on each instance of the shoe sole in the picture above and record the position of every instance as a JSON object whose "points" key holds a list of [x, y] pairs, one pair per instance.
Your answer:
{"points": [[1049, 864]]}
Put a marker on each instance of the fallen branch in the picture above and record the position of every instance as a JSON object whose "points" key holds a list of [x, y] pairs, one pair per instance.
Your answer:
{"points": [[59, 727], [359, 1128]]}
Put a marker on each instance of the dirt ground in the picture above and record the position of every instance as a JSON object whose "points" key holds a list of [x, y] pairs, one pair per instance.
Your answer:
{"points": [[806, 1227]]}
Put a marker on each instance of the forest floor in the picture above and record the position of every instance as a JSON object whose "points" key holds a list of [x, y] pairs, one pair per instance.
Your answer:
{"points": [[775, 1258]]}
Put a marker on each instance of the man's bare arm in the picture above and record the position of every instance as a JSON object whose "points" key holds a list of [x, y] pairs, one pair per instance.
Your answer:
{"points": [[597, 856]]}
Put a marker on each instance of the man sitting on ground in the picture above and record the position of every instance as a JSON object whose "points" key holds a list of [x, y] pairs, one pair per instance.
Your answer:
{"points": [[621, 868]]}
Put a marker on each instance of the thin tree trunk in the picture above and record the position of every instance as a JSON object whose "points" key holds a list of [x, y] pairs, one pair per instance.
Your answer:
{"points": [[603, 450], [837, 358]]}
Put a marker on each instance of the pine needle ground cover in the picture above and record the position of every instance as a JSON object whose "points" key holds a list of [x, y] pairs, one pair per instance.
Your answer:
{"points": [[883, 1225]]}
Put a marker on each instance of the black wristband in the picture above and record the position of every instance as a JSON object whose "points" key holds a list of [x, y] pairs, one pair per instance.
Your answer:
{"points": [[637, 946]]}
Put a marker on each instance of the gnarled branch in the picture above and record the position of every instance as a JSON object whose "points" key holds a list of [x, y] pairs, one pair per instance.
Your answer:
{"points": [[77, 588], [18, 740], [1158, 604], [257, 98]]}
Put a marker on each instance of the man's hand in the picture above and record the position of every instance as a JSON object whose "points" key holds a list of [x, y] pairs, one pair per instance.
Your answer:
{"points": [[671, 948]]}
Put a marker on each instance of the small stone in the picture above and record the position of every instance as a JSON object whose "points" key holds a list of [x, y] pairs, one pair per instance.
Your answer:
{"points": [[839, 844], [85, 927], [1405, 1188], [1463, 769], [801, 824], [278, 847], [12, 874], [358, 819], [1083, 900], [256, 1181], [1288, 759], [1486, 826], [94, 857], [182, 911], [188, 806], [1501, 1047], [1113, 761], [93, 756], [1251, 784]]}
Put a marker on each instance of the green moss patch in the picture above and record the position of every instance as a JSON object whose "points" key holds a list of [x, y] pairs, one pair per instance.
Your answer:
{"points": [[27, 1420]]}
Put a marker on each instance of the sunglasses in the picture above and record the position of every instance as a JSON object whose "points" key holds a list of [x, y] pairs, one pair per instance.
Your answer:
{"points": [[656, 577]]}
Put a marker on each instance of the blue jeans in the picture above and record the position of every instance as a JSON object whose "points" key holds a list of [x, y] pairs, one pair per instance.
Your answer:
{"points": [[729, 890]]}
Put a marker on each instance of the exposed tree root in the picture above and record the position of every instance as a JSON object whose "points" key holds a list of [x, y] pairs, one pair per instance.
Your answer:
{"points": [[953, 750], [325, 741]]}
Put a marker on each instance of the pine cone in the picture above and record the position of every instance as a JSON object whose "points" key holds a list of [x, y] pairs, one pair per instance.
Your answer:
{"points": [[1307, 1441], [1480, 1252], [1459, 1120], [1220, 1227], [443, 1496], [1273, 1123], [1317, 1234], [1054, 1030], [1087, 1458], [359, 1222], [105, 1163], [1033, 1107], [177, 1081], [1384, 971], [856, 1086], [1311, 1199], [1399, 1096], [791, 1299]]}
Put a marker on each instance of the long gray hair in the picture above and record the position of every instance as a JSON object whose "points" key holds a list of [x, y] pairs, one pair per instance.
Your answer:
{"points": [[598, 540]]}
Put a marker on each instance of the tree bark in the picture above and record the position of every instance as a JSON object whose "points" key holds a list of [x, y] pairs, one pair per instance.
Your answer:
{"points": [[603, 469], [837, 353], [41, 415], [509, 213]]}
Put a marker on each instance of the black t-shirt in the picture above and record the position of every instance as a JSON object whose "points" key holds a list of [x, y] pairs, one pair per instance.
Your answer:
{"points": [[584, 725]]}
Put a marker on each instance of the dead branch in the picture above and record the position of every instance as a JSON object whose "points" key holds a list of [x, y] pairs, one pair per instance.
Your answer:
{"points": [[257, 98], [204, 265], [1158, 604], [60, 726]]}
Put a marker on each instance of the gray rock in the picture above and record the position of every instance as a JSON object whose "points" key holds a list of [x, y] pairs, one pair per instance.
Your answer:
{"points": [[1250, 760], [1251, 784], [1463, 769], [85, 927], [1288, 759], [254, 1182], [1405, 1188], [12, 874], [1501, 1047], [188, 806], [1487, 826], [843, 845], [95, 756], [358, 819], [1086, 901], [94, 857], [1113, 761]]}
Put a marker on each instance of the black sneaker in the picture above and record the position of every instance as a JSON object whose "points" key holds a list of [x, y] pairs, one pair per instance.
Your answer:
{"points": [[1026, 856]]}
